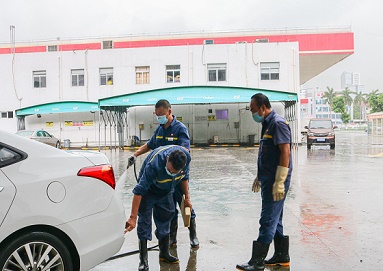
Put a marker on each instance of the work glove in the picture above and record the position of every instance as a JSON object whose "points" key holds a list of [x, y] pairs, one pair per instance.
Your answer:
{"points": [[279, 184], [131, 160], [256, 185]]}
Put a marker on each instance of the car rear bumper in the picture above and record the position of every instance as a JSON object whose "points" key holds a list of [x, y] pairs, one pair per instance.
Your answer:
{"points": [[99, 236], [321, 140]]}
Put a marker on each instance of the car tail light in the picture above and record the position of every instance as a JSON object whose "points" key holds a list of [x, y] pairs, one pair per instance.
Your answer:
{"points": [[103, 172]]}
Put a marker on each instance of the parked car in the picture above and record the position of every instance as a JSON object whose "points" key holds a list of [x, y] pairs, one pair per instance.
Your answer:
{"points": [[58, 210], [41, 136], [320, 132]]}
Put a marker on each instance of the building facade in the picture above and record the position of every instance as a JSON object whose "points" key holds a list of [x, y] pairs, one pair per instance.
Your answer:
{"points": [[88, 70]]}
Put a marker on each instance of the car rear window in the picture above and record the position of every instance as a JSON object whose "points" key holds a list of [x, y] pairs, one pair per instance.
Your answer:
{"points": [[10, 156]]}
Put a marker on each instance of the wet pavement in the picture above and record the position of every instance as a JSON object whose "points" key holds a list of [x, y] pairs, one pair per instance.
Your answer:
{"points": [[333, 211]]}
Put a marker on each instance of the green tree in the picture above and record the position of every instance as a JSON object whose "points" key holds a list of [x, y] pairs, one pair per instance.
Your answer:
{"points": [[346, 93], [360, 102], [329, 96], [376, 103], [340, 107]]}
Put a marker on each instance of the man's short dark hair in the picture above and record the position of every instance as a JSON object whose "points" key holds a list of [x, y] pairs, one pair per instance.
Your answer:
{"points": [[261, 99], [163, 103], [178, 159]]}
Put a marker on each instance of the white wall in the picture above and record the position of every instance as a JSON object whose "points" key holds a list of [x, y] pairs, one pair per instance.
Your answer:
{"points": [[243, 63]]}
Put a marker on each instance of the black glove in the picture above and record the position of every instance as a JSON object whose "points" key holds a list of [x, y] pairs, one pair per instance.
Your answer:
{"points": [[131, 161]]}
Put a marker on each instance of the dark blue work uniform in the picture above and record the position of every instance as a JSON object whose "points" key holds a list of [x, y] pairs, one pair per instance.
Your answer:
{"points": [[175, 134], [156, 188], [275, 131]]}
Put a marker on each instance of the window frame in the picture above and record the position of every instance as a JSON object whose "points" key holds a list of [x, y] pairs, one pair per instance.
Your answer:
{"points": [[77, 73], [216, 70], [218, 112], [105, 75], [142, 75], [41, 75], [171, 71], [270, 71], [18, 155]]}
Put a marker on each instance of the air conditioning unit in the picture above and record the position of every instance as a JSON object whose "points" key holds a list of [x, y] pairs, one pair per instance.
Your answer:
{"points": [[262, 40]]}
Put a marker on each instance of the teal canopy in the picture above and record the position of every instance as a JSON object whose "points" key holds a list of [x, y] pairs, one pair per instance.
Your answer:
{"points": [[194, 95], [59, 107]]}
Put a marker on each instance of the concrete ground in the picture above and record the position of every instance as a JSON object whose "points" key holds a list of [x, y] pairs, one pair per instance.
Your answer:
{"points": [[333, 211]]}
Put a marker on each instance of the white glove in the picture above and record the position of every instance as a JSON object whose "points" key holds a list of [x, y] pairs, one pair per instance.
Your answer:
{"points": [[131, 160], [256, 185], [279, 184]]}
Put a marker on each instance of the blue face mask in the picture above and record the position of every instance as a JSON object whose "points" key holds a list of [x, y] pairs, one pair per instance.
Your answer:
{"points": [[162, 119], [258, 118], [170, 174]]}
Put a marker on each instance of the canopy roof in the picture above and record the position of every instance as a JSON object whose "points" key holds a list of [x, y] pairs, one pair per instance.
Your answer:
{"points": [[59, 107], [194, 95]]}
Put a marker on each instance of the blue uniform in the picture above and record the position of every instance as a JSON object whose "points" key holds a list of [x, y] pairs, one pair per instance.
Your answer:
{"points": [[175, 134], [156, 188], [275, 131]]}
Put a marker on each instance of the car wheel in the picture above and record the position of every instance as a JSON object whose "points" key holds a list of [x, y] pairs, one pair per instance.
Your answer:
{"points": [[308, 146], [332, 146], [36, 251], [58, 145]]}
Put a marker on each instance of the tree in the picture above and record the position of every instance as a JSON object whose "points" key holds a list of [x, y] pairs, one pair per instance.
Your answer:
{"points": [[360, 101], [376, 103], [329, 96], [340, 107]]}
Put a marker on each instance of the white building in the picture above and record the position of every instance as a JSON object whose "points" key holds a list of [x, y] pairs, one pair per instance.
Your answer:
{"points": [[40, 73]]}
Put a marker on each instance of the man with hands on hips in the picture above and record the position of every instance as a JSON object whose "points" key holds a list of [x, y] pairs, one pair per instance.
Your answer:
{"points": [[273, 179]]}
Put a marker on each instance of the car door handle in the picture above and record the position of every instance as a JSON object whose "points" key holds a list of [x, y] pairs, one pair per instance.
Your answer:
{"points": [[1, 188]]}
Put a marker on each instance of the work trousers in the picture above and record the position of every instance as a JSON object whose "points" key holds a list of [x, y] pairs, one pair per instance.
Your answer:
{"points": [[162, 208], [177, 198], [271, 215]]}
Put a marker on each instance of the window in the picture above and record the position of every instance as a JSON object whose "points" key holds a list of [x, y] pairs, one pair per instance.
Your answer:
{"points": [[107, 44], [270, 71], [173, 73], [39, 79], [9, 156], [3, 115], [216, 72], [10, 114], [143, 75], [222, 114], [52, 48], [77, 78], [106, 76]]}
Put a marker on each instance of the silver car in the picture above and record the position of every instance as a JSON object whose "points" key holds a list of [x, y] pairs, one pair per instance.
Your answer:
{"points": [[41, 136]]}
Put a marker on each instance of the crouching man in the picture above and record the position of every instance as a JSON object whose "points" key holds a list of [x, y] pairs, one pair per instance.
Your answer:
{"points": [[162, 170]]}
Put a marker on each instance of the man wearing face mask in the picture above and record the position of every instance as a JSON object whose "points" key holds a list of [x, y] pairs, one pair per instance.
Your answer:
{"points": [[163, 169], [273, 178], [170, 132]]}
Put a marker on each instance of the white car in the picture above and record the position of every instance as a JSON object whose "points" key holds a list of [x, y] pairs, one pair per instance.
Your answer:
{"points": [[58, 210]]}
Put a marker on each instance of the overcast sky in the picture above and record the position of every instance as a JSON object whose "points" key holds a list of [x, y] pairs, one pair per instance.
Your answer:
{"points": [[49, 19]]}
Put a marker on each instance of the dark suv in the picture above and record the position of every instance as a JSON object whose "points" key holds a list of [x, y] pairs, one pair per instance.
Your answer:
{"points": [[320, 132]]}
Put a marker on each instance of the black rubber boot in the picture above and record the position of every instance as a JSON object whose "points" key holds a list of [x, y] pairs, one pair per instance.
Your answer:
{"points": [[194, 243], [173, 233], [281, 254], [257, 258], [163, 245], [143, 247]]}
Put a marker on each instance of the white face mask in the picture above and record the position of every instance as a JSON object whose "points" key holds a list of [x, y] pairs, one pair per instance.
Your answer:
{"points": [[170, 174]]}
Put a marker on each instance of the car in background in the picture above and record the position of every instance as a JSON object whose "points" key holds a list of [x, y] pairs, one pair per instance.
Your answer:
{"points": [[58, 210], [41, 136], [320, 132]]}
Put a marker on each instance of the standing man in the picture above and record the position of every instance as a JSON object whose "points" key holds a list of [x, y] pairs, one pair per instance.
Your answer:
{"points": [[273, 178], [161, 171], [170, 132]]}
